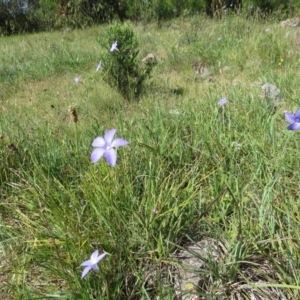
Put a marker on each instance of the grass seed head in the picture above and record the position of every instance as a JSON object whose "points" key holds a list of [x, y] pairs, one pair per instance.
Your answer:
{"points": [[73, 114]]}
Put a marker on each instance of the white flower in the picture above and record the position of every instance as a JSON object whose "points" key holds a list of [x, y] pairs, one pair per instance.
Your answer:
{"points": [[77, 79], [114, 47]]}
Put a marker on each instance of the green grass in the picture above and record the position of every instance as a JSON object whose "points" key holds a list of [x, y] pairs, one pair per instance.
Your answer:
{"points": [[181, 180]]}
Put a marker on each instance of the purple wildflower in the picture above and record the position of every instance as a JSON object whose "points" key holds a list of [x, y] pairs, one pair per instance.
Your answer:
{"points": [[105, 146], [92, 263], [294, 120], [222, 102], [114, 47]]}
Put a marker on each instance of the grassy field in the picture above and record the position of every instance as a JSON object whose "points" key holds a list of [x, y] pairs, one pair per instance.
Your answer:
{"points": [[193, 171]]}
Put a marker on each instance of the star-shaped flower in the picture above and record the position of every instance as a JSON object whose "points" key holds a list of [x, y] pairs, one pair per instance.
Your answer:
{"points": [[105, 146], [222, 102], [99, 67], [114, 47], [92, 263], [294, 120]]}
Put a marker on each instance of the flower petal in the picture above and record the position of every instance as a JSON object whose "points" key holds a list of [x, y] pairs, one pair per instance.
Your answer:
{"points": [[111, 157], [290, 118], [99, 142], [109, 135], [119, 142], [294, 126], [95, 268], [85, 271], [100, 257], [86, 263], [297, 114], [94, 256], [97, 154], [99, 67]]}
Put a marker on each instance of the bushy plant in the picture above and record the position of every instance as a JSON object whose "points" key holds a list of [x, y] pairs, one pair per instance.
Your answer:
{"points": [[121, 67]]}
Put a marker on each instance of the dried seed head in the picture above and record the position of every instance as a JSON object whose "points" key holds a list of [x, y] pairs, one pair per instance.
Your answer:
{"points": [[73, 114]]}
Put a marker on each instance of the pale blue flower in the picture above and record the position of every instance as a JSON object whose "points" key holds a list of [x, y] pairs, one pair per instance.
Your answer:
{"points": [[99, 67], [92, 263], [222, 102], [105, 146], [294, 120], [114, 47], [77, 79]]}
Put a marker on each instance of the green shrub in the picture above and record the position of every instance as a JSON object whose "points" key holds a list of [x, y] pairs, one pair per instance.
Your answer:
{"points": [[121, 68]]}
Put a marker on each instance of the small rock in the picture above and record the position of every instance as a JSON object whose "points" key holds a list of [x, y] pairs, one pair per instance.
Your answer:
{"points": [[193, 260], [272, 94], [293, 22], [201, 70]]}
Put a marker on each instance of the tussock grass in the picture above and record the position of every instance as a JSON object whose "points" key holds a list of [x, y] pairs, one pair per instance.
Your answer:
{"points": [[181, 180]]}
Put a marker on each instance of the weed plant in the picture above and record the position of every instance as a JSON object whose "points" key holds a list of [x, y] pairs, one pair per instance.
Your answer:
{"points": [[195, 169]]}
